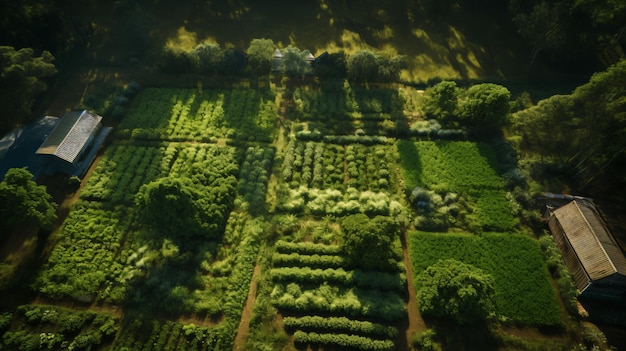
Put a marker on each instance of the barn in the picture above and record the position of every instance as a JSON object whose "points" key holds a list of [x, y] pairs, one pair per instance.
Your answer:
{"points": [[71, 146], [595, 260]]}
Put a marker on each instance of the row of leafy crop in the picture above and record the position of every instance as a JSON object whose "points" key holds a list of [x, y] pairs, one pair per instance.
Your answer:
{"points": [[143, 335], [253, 177], [339, 276], [126, 167], [336, 100], [45, 327], [100, 254], [201, 115], [320, 165], [335, 202], [466, 171], [523, 291]]}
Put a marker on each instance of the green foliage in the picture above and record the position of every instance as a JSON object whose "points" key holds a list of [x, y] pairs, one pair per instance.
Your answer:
{"points": [[454, 290], [583, 130], [253, 177], [425, 341], [260, 53], [343, 341], [367, 66], [176, 207], [442, 100], [209, 58], [294, 61], [465, 168], [386, 305], [340, 325], [188, 114], [339, 276], [22, 80], [558, 269], [53, 328], [23, 201], [485, 106], [369, 244], [514, 261]]}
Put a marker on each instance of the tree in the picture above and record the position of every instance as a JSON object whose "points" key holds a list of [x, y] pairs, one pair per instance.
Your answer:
{"points": [[177, 208], [369, 244], [545, 27], [485, 105], [442, 100], [363, 66], [22, 77], [209, 58], [294, 61], [451, 289], [23, 201], [260, 54]]}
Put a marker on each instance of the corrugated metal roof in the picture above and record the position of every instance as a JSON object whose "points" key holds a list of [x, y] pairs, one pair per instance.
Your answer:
{"points": [[591, 240], [70, 136]]}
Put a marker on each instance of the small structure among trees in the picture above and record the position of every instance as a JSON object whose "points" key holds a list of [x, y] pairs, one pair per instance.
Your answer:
{"points": [[594, 258], [73, 142]]}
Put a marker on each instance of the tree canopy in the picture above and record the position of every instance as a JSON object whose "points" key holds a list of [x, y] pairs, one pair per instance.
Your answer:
{"points": [[485, 105], [584, 129], [260, 53], [177, 208], [22, 79], [369, 244], [23, 201], [453, 290]]}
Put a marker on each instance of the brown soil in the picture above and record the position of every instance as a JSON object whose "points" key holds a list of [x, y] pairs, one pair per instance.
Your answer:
{"points": [[416, 323], [246, 314]]}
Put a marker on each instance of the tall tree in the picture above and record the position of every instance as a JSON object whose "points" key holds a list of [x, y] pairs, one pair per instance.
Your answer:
{"points": [[22, 80], [369, 243], [23, 201], [457, 291], [485, 106], [260, 54]]}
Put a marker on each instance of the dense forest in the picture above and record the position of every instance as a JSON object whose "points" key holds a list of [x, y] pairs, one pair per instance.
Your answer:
{"points": [[336, 175]]}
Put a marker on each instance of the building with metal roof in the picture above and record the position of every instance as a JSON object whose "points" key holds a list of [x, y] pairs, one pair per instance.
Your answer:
{"points": [[72, 145], [595, 260]]}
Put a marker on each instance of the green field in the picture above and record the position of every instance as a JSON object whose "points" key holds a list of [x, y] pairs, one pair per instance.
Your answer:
{"points": [[523, 290], [463, 167]]}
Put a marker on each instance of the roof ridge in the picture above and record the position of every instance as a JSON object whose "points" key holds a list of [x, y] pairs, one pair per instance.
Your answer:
{"points": [[595, 237], [70, 131]]}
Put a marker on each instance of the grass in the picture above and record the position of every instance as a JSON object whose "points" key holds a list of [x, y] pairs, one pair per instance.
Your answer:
{"points": [[523, 291]]}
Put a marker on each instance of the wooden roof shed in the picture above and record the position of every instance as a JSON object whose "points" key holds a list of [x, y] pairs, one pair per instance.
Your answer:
{"points": [[594, 258]]}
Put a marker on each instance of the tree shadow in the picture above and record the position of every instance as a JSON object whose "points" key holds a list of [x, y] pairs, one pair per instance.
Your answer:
{"points": [[477, 336]]}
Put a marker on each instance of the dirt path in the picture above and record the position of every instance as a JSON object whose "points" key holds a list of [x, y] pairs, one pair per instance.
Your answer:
{"points": [[244, 324], [416, 323]]}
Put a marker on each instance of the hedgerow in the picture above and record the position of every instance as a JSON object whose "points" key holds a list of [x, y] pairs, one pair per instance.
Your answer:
{"points": [[340, 325]]}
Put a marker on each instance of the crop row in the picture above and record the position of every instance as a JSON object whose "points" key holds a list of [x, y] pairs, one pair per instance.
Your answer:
{"points": [[333, 101], [193, 115], [320, 165], [343, 341], [315, 260], [339, 276], [523, 291], [306, 248], [340, 325], [52, 328], [385, 305], [253, 176], [336, 202], [125, 168]]}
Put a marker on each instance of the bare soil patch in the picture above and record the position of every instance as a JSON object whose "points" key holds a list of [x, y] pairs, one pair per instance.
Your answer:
{"points": [[246, 315]]}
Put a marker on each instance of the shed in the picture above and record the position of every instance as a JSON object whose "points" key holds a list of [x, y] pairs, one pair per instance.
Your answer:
{"points": [[594, 258], [72, 143]]}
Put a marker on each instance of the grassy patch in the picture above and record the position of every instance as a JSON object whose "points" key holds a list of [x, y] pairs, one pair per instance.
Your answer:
{"points": [[523, 292]]}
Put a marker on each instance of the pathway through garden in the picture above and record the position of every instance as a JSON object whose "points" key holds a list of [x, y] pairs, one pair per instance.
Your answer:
{"points": [[416, 322], [246, 314]]}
